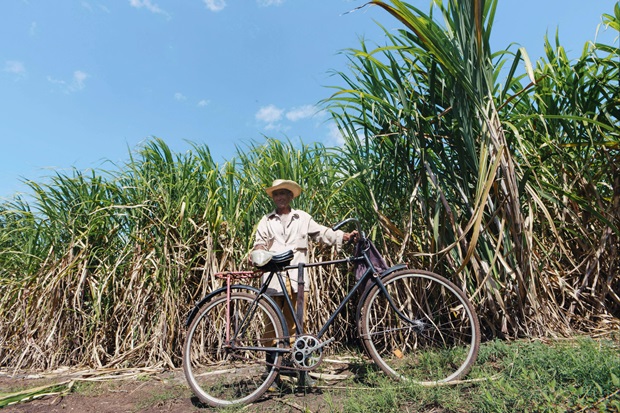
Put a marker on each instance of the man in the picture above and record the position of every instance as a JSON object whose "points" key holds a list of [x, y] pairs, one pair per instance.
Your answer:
{"points": [[286, 229]]}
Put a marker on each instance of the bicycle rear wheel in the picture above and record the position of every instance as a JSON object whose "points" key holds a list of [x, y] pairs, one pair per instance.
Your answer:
{"points": [[223, 373], [436, 336]]}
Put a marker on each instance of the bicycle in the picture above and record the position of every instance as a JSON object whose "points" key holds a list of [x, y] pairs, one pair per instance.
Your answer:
{"points": [[414, 324]]}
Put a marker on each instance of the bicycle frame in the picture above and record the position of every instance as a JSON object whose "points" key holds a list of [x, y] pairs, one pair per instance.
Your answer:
{"points": [[370, 273]]}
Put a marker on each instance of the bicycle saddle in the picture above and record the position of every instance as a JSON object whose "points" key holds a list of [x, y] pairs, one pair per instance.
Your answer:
{"points": [[270, 261]]}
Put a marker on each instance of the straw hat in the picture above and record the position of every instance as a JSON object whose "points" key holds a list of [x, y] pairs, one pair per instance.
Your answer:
{"points": [[284, 184]]}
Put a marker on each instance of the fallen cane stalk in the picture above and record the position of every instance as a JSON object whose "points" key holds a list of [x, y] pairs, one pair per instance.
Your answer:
{"points": [[65, 386], [61, 388], [294, 405], [455, 382], [436, 384]]}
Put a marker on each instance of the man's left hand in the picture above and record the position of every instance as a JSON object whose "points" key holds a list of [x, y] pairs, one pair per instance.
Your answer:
{"points": [[350, 236]]}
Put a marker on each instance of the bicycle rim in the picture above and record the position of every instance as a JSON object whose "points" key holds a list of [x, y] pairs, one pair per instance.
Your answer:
{"points": [[222, 375], [439, 337]]}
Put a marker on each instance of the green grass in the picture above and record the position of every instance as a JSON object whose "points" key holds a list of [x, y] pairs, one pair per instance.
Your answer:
{"points": [[523, 376], [576, 375]]}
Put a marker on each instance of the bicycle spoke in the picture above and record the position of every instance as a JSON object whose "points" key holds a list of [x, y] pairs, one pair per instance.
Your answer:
{"points": [[438, 339], [222, 373]]}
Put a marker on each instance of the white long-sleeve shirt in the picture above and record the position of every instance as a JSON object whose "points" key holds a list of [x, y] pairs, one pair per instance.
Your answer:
{"points": [[294, 235]]}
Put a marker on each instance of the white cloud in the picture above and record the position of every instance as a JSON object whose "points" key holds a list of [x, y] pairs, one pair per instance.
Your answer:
{"points": [[267, 3], [56, 81], [100, 6], [153, 8], [219, 5], [301, 112], [203, 103], [76, 83], [33, 29], [179, 97], [215, 5], [14, 67], [269, 114], [79, 78], [334, 136]]}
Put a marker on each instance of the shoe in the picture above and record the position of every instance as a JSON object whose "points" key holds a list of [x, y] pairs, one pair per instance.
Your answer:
{"points": [[306, 380]]}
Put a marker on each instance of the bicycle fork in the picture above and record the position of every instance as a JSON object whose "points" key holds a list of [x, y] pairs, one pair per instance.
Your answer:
{"points": [[419, 325]]}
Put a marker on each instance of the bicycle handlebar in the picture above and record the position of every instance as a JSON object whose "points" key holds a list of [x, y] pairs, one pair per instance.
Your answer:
{"points": [[346, 221]]}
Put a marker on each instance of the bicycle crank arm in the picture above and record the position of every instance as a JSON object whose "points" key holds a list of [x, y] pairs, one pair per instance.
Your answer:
{"points": [[323, 344]]}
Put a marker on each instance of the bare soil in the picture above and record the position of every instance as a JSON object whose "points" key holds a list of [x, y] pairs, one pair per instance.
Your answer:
{"points": [[164, 391]]}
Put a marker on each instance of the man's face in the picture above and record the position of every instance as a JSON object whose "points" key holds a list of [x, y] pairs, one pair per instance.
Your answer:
{"points": [[282, 198]]}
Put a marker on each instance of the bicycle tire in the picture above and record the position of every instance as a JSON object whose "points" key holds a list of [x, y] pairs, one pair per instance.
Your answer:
{"points": [[440, 340], [220, 375]]}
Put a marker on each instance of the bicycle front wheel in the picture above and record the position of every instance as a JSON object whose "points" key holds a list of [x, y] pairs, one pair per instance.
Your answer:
{"points": [[235, 369], [430, 334]]}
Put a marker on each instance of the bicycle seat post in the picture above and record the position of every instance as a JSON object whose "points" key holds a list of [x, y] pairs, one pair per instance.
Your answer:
{"points": [[300, 299]]}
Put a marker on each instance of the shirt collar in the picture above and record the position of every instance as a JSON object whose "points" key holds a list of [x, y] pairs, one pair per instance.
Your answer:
{"points": [[293, 214]]}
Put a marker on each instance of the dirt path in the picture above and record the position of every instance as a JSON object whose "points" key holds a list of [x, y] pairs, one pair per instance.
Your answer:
{"points": [[147, 391]]}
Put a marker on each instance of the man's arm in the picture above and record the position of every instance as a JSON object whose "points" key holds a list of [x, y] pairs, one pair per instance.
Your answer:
{"points": [[261, 237]]}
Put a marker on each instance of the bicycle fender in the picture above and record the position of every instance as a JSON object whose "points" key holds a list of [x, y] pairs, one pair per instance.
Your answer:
{"points": [[221, 290], [383, 274], [393, 269]]}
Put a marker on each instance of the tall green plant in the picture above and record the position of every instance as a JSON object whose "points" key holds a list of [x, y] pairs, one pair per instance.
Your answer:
{"points": [[430, 121], [428, 124], [101, 267], [105, 270], [567, 139]]}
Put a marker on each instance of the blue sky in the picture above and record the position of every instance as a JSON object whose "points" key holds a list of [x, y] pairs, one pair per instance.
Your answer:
{"points": [[86, 81]]}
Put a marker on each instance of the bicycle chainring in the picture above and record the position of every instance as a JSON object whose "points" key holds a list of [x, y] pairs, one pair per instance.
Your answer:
{"points": [[307, 352]]}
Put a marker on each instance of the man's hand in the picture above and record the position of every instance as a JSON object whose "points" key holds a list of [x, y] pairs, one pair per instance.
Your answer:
{"points": [[350, 236]]}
